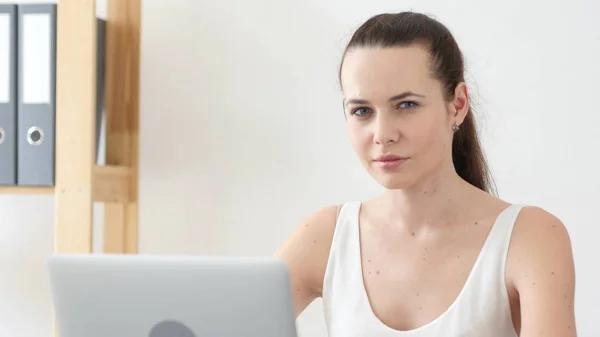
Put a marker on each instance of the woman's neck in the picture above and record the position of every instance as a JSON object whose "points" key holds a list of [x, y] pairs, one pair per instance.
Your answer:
{"points": [[437, 200]]}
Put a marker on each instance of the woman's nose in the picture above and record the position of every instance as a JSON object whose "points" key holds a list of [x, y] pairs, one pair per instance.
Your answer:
{"points": [[384, 131]]}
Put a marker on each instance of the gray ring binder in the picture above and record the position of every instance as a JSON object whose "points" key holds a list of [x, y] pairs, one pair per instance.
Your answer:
{"points": [[35, 135], [36, 89], [8, 103]]}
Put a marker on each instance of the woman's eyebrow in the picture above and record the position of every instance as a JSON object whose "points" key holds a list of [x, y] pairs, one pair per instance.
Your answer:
{"points": [[393, 98]]}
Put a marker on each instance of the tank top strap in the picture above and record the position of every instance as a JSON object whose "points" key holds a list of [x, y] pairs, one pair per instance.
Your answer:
{"points": [[344, 256], [500, 234], [346, 236]]}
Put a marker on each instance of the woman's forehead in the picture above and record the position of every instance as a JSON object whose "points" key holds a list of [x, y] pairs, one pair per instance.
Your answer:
{"points": [[371, 72]]}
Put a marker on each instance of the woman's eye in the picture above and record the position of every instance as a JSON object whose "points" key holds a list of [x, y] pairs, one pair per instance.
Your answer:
{"points": [[361, 111], [408, 105]]}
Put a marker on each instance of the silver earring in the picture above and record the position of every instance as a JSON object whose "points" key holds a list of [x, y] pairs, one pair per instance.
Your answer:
{"points": [[455, 127]]}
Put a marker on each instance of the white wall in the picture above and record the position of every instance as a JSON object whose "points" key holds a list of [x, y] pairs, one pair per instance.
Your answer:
{"points": [[242, 133]]}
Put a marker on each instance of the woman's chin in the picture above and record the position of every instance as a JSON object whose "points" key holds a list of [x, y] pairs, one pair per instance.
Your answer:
{"points": [[393, 181]]}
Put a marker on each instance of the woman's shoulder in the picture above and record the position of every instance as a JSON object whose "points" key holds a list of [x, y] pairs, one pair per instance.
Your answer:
{"points": [[306, 251], [536, 228], [540, 254], [317, 228], [324, 219], [538, 238], [540, 268]]}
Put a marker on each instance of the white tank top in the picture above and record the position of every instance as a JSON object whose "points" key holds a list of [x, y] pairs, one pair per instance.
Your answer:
{"points": [[481, 309]]}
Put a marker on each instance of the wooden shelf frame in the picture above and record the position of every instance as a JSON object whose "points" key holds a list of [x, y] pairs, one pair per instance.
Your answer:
{"points": [[79, 181]]}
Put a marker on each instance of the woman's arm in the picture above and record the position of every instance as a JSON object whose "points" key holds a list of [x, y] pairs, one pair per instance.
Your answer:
{"points": [[306, 253], [541, 270]]}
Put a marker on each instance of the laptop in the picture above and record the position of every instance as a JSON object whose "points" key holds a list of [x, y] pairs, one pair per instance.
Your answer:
{"points": [[101, 295]]}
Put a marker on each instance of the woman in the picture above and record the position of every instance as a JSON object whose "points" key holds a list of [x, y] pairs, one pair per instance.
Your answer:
{"points": [[436, 254]]}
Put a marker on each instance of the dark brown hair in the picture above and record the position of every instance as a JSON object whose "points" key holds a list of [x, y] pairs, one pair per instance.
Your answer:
{"points": [[404, 28]]}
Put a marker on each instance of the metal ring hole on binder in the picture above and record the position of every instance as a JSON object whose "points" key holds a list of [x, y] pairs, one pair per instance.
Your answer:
{"points": [[2, 135], [35, 135]]}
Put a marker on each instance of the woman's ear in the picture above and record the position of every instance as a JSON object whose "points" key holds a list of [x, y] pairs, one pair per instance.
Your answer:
{"points": [[460, 103]]}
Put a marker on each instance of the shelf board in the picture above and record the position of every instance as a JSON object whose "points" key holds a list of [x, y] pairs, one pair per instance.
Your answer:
{"points": [[111, 184], [26, 190]]}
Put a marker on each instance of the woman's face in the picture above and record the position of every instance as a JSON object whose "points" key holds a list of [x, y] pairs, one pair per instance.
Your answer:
{"points": [[399, 122]]}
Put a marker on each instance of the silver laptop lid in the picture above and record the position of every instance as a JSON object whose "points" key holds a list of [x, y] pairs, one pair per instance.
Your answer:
{"points": [[105, 295]]}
